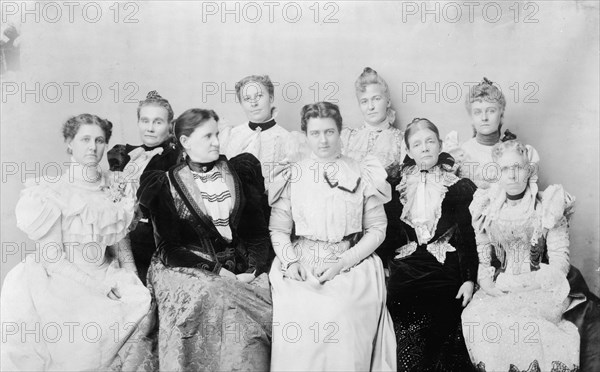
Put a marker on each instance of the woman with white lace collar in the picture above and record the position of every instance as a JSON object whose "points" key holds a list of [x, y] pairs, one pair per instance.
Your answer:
{"points": [[434, 270]]}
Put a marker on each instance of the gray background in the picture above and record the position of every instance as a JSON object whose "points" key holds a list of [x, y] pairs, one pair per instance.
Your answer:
{"points": [[543, 54]]}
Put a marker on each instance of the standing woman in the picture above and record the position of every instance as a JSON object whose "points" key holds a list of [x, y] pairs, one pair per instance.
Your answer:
{"points": [[486, 105], [214, 306], [434, 270], [261, 136], [378, 137], [154, 123], [73, 292], [328, 287], [522, 300]]}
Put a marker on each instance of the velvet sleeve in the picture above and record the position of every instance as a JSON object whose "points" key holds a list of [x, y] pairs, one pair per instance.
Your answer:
{"points": [[253, 228], [154, 194], [462, 193]]}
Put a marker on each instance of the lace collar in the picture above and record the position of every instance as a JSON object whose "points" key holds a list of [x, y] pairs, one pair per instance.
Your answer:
{"points": [[422, 194]]}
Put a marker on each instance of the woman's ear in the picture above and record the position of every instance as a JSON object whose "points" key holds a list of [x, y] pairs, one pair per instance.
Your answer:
{"points": [[184, 141]]}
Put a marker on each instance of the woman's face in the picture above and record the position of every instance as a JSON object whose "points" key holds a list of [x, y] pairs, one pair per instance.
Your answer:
{"points": [[424, 148], [203, 144], [514, 172], [256, 102], [323, 137], [486, 116], [88, 145], [153, 125], [373, 104]]}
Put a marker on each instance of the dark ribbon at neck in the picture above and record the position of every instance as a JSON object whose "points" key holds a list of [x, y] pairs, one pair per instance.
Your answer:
{"points": [[424, 171], [200, 167], [263, 126], [445, 160], [516, 197], [165, 145]]}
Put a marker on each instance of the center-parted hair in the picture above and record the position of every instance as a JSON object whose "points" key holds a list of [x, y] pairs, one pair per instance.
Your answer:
{"points": [[416, 125], [153, 98], [191, 119], [262, 79], [72, 125], [320, 110]]}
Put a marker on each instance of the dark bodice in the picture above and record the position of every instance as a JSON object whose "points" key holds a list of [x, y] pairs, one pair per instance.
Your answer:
{"points": [[185, 234], [421, 271]]}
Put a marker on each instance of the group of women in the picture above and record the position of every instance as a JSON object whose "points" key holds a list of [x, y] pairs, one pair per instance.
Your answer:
{"points": [[255, 249]]}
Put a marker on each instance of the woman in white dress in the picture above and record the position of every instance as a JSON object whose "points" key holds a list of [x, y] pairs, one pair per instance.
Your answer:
{"points": [[486, 105], [81, 305], [261, 136], [514, 321], [328, 287]]}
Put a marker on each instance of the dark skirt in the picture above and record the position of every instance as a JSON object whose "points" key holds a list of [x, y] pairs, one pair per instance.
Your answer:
{"points": [[426, 314]]}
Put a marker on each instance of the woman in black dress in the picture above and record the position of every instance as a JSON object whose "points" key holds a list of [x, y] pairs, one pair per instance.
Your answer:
{"points": [[432, 274]]}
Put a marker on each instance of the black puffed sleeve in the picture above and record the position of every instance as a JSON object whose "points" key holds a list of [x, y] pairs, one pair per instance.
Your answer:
{"points": [[460, 195], [155, 195], [253, 227], [118, 157]]}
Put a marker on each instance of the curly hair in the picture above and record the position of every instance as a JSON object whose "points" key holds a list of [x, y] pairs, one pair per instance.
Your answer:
{"points": [[72, 125], [320, 110], [261, 79], [515, 146], [485, 91]]}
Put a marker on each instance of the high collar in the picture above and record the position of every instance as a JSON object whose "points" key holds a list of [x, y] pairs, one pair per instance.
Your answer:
{"points": [[200, 167], [488, 139], [263, 126]]}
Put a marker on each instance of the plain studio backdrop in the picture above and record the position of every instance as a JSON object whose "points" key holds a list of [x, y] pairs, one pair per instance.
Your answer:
{"points": [[102, 57]]}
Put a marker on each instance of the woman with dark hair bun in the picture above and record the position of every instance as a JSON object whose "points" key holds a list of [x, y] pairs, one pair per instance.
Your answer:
{"points": [[158, 146], [327, 219], [433, 272], [73, 293], [208, 273]]}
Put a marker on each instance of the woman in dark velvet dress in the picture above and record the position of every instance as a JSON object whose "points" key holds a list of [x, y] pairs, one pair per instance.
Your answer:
{"points": [[207, 276], [433, 273], [154, 122]]}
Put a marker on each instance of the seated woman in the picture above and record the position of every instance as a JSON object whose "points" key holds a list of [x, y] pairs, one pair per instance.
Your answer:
{"points": [[433, 273], [328, 287], [154, 123], [378, 137], [523, 300], [261, 136], [214, 306], [73, 293], [486, 105]]}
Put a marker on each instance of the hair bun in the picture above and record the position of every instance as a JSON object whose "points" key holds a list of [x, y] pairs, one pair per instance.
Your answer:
{"points": [[487, 81], [369, 70], [153, 95]]}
